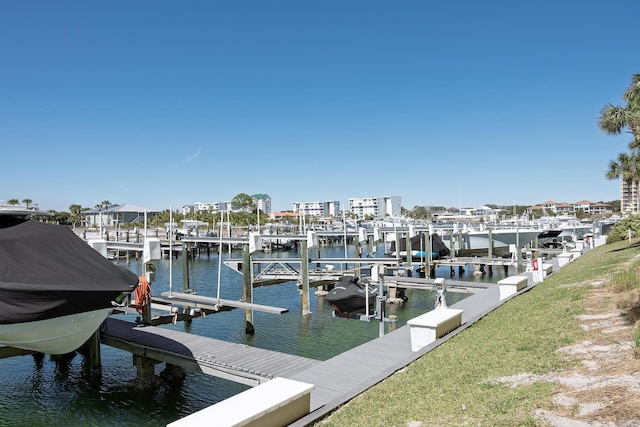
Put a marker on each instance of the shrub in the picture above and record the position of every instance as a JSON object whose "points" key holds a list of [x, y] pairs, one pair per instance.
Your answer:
{"points": [[621, 230]]}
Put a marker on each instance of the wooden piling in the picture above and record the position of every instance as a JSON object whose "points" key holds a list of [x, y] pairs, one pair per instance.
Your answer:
{"points": [[144, 366], [185, 267], [247, 289], [490, 252], [94, 353]]}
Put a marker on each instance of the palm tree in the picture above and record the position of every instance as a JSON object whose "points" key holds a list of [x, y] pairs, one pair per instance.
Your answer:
{"points": [[615, 118], [27, 202], [627, 168], [75, 211]]}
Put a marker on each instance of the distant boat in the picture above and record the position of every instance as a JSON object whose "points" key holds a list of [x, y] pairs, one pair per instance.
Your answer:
{"points": [[508, 236], [349, 295], [477, 242], [55, 290]]}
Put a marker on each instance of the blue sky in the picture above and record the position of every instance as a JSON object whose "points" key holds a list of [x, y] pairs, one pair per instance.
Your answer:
{"points": [[448, 103]]}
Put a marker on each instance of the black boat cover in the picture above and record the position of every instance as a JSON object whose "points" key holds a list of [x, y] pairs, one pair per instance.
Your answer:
{"points": [[47, 271], [348, 295], [421, 243]]}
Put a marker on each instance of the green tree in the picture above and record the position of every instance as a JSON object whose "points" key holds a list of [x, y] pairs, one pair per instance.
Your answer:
{"points": [[616, 118], [418, 212], [27, 202], [13, 202], [244, 202], [537, 213], [76, 214], [622, 229]]}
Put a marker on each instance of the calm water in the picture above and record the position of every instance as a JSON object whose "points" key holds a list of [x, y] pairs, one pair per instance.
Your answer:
{"points": [[53, 392]]}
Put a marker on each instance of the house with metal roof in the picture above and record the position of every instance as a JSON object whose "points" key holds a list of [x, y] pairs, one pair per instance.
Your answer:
{"points": [[117, 214]]}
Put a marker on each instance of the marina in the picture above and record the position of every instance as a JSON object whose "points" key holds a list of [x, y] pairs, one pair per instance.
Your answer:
{"points": [[335, 380], [261, 291], [346, 379]]}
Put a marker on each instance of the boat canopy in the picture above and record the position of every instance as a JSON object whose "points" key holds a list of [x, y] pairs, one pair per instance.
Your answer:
{"points": [[420, 242], [48, 271]]}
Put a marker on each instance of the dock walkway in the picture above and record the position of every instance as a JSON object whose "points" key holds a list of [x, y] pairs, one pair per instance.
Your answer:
{"points": [[341, 378], [236, 362]]}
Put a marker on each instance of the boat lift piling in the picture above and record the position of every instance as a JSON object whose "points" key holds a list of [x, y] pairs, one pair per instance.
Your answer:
{"points": [[247, 288], [185, 267], [490, 250]]}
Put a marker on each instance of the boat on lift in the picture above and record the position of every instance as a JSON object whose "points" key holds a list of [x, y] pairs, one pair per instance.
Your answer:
{"points": [[421, 245], [349, 295], [55, 289]]}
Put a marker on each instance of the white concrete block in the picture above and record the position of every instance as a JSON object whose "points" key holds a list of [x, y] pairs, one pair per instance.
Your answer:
{"points": [[278, 402], [564, 258], [576, 253], [432, 325], [511, 285]]}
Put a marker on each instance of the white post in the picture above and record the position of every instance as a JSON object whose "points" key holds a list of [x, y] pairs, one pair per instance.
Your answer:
{"points": [[220, 254], [170, 250], [344, 232]]}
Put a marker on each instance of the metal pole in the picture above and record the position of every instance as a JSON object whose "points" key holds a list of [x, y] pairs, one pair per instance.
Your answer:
{"points": [[381, 300], [304, 271], [170, 250]]}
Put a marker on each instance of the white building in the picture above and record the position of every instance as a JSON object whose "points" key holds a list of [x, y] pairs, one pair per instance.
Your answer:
{"points": [[263, 202], [376, 207], [114, 215], [318, 209], [206, 207]]}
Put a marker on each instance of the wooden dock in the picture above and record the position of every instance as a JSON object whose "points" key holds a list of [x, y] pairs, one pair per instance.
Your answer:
{"points": [[427, 284], [235, 362]]}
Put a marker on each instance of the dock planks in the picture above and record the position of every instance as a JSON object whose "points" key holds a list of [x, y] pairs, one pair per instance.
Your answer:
{"points": [[236, 362]]}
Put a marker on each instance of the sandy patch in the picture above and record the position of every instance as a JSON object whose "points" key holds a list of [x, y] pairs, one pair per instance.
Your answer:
{"points": [[604, 389]]}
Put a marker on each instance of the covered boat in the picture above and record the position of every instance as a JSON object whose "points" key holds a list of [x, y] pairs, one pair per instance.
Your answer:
{"points": [[55, 290], [420, 247], [350, 295]]}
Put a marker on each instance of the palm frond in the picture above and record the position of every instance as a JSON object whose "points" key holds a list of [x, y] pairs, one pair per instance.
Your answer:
{"points": [[613, 119]]}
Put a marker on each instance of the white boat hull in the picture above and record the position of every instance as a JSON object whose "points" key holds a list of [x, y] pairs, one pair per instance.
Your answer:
{"points": [[58, 335], [473, 242], [506, 237]]}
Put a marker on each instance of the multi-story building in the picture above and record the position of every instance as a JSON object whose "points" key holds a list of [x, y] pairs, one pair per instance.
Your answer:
{"points": [[318, 209], [212, 207], [376, 207], [562, 208], [263, 202], [206, 206], [629, 196], [600, 209]]}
